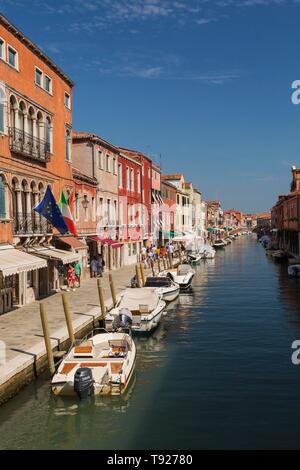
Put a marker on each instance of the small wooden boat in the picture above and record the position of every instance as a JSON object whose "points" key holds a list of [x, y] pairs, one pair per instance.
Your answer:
{"points": [[193, 257], [183, 275], [165, 287], [101, 365], [144, 306]]}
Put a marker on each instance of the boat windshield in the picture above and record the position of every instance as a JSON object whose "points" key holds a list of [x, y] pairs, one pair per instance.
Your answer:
{"points": [[158, 282]]}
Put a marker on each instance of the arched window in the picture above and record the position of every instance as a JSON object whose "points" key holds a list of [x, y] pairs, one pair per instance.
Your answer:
{"points": [[2, 110], [48, 135], [30, 122], [68, 145], [22, 111], [3, 208]]}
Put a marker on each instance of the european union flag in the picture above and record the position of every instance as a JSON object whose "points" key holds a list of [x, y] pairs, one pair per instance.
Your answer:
{"points": [[49, 209]]}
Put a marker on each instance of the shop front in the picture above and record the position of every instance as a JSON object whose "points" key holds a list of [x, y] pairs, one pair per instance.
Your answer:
{"points": [[20, 276], [57, 262]]}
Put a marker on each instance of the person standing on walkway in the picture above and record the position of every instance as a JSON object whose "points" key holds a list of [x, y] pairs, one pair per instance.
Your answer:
{"points": [[100, 265], [94, 267], [77, 268], [71, 278]]}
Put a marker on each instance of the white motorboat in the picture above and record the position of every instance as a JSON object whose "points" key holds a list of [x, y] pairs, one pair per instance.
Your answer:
{"points": [[165, 287], [183, 275], [193, 257], [219, 244], [143, 305], [103, 365], [294, 267], [207, 252]]}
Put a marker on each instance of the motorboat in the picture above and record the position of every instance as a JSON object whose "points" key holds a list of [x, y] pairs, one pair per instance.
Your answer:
{"points": [[228, 240], [207, 252], [143, 306], [294, 267], [165, 287], [183, 275], [219, 244], [101, 365], [193, 257]]}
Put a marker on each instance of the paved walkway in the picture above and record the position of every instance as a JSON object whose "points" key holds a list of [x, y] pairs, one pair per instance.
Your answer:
{"points": [[21, 329]]}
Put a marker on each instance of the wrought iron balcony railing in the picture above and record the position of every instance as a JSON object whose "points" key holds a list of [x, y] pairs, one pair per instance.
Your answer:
{"points": [[25, 144], [26, 225]]}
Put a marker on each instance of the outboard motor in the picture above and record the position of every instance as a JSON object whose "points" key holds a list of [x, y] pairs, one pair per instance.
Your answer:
{"points": [[123, 320], [134, 282], [84, 383]]}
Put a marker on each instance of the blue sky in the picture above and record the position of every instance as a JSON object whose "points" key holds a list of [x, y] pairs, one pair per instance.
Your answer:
{"points": [[206, 84]]}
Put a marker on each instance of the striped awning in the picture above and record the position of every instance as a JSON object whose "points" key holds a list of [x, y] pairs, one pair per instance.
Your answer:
{"points": [[65, 257], [14, 261]]}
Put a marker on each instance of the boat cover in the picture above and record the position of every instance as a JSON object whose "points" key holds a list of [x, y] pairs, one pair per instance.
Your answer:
{"points": [[133, 298]]}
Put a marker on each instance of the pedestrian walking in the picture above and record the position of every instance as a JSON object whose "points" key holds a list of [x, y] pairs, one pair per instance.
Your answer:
{"points": [[94, 267], [100, 266], [77, 268], [71, 277]]}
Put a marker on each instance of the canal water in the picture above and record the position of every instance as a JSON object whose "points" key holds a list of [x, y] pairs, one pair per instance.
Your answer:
{"points": [[217, 373]]}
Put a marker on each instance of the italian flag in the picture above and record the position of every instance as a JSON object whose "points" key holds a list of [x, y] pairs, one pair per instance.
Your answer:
{"points": [[67, 215]]}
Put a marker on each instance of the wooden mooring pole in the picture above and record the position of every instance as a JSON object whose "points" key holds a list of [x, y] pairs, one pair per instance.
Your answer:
{"points": [[67, 311], [138, 275], [152, 267], [46, 333], [112, 290], [101, 298]]}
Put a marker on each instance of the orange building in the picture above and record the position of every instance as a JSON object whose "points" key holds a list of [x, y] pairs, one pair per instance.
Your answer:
{"points": [[35, 148]]}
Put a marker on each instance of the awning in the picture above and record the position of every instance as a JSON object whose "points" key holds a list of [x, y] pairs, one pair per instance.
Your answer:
{"points": [[104, 241], [13, 261], [65, 257], [116, 245], [73, 243]]}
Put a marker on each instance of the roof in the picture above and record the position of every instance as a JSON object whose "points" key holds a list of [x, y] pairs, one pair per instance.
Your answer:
{"points": [[167, 183], [134, 153], [83, 177], [34, 48], [73, 242], [172, 177], [187, 185], [264, 215], [90, 136], [13, 261]]}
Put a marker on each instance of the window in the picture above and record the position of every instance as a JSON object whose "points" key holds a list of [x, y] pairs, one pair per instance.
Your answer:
{"points": [[100, 162], [85, 207], [107, 163], [68, 145], [2, 198], [12, 57], [48, 84], [93, 209], [114, 166], [131, 180], [38, 77], [2, 49], [134, 248], [120, 175], [108, 212], [29, 278], [76, 207], [2, 100], [67, 100], [48, 135], [139, 182], [127, 179]]}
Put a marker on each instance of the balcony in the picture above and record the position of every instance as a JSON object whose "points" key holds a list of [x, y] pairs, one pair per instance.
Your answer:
{"points": [[25, 144], [24, 225]]}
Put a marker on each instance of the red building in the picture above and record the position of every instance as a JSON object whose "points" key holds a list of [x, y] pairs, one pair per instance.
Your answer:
{"points": [[146, 188], [130, 206]]}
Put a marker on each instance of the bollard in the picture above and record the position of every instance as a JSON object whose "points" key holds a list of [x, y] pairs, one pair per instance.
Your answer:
{"points": [[101, 298], [112, 290], [164, 263], [138, 275], [67, 311], [158, 264], [152, 267], [46, 333], [142, 274]]}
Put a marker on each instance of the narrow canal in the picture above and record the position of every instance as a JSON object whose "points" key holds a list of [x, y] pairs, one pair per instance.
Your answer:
{"points": [[217, 374]]}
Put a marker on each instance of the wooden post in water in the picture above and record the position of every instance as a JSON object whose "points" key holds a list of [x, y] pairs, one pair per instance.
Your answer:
{"points": [[67, 311], [101, 298], [158, 264], [152, 267], [164, 263], [180, 256], [112, 290], [142, 274], [170, 260], [46, 333], [138, 275]]}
